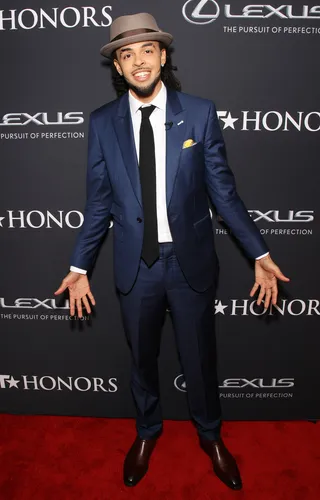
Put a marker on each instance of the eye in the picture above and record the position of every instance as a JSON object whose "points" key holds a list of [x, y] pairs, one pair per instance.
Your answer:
{"points": [[126, 56], [149, 51]]}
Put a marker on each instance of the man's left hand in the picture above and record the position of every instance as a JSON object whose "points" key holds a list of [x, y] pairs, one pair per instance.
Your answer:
{"points": [[266, 274]]}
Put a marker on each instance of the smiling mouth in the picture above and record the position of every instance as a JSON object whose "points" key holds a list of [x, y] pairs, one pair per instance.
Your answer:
{"points": [[142, 75]]}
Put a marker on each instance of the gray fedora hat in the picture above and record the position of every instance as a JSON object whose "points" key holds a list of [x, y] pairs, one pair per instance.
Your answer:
{"points": [[135, 28]]}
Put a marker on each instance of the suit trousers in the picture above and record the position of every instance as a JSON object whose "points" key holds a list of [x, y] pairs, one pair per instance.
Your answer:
{"points": [[143, 312]]}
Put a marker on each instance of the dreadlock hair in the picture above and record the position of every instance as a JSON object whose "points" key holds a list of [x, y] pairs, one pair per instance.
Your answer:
{"points": [[167, 75]]}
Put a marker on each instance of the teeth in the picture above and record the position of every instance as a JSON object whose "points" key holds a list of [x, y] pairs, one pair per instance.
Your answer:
{"points": [[144, 73]]}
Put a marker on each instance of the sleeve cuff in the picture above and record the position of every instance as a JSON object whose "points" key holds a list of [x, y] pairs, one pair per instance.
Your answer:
{"points": [[261, 256], [78, 270]]}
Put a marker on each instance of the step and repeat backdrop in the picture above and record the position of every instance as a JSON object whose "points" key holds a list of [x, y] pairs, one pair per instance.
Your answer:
{"points": [[258, 63]]}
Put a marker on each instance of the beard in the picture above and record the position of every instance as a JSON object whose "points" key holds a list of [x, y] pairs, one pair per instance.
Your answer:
{"points": [[144, 91]]}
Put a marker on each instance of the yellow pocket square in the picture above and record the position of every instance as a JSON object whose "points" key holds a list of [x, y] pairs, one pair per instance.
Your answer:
{"points": [[188, 143]]}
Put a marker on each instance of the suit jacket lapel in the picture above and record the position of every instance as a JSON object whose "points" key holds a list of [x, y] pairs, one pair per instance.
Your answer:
{"points": [[176, 115], [124, 130]]}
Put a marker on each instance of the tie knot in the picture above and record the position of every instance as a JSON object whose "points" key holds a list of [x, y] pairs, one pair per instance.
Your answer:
{"points": [[146, 111]]}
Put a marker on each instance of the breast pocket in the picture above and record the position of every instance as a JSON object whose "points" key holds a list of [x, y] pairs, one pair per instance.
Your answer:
{"points": [[192, 150]]}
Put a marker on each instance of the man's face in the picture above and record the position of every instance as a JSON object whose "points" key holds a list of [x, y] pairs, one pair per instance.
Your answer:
{"points": [[140, 64]]}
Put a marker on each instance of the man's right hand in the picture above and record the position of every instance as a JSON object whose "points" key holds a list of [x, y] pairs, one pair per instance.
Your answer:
{"points": [[79, 292]]}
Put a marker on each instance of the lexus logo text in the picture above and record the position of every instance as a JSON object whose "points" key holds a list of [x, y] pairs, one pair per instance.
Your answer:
{"points": [[42, 118], [278, 216], [207, 11], [257, 383]]}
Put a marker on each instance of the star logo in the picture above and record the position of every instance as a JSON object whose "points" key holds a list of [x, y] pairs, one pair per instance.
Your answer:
{"points": [[219, 307], [228, 121], [1, 219], [13, 383]]}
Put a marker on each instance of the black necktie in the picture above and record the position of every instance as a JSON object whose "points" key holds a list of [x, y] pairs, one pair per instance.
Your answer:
{"points": [[147, 167]]}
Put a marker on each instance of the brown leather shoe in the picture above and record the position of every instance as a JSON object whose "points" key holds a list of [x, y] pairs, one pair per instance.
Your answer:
{"points": [[224, 465], [137, 460]]}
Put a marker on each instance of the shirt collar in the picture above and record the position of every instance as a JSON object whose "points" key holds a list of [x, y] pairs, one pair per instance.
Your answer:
{"points": [[159, 101]]}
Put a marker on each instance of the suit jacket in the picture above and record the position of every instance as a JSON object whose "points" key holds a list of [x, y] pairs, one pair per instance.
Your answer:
{"points": [[192, 175]]}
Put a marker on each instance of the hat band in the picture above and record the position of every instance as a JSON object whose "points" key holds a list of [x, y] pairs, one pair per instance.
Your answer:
{"points": [[128, 33]]}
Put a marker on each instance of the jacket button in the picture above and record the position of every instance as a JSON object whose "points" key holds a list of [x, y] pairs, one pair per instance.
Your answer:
{"points": [[139, 219]]}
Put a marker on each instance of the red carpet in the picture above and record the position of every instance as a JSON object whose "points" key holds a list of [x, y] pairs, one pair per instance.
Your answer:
{"points": [[68, 458]]}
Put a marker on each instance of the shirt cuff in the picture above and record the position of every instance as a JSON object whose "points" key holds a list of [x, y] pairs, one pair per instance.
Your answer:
{"points": [[78, 270], [261, 256]]}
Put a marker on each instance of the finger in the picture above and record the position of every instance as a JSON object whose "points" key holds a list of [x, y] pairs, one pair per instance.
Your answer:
{"points": [[86, 304], [261, 295], [79, 307], [254, 289], [61, 288], [72, 306], [280, 276], [274, 294], [267, 299], [91, 297]]}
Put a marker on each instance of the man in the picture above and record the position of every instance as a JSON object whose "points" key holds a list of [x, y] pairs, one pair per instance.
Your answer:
{"points": [[155, 155]]}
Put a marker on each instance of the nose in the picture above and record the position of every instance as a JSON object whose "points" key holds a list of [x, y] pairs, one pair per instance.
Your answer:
{"points": [[138, 61]]}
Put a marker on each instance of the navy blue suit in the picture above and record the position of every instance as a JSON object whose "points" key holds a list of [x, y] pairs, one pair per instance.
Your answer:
{"points": [[185, 275]]}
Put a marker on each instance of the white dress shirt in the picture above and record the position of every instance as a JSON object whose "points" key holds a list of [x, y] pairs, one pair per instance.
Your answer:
{"points": [[157, 120]]}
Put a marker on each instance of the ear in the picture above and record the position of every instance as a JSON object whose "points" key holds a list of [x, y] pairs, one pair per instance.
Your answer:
{"points": [[117, 65], [163, 57]]}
